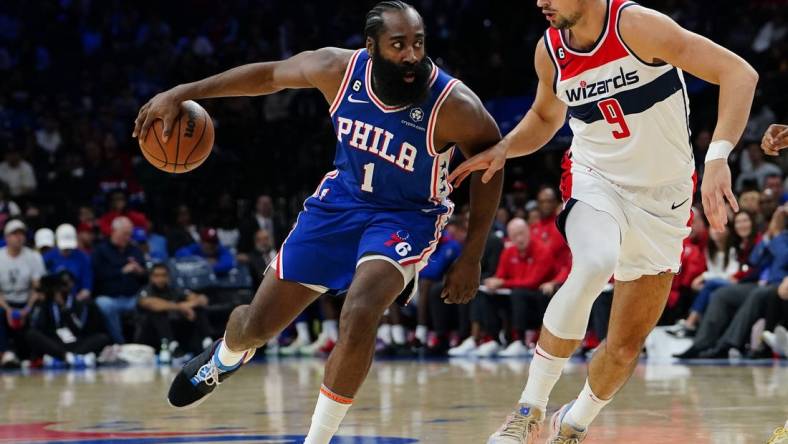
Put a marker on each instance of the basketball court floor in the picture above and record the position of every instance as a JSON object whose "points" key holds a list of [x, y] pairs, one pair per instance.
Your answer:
{"points": [[401, 402]]}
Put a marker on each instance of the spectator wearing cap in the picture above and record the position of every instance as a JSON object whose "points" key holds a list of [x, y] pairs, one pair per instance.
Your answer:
{"points": [[87, 229], [155, 252], [17, 173], [67, 257], [86, 238], [20, 269], [118, 206], [210, 249], [44, 240], [119, 274]]}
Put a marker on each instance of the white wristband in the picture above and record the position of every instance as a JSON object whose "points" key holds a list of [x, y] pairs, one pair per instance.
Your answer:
{"points": [[719, 149]]}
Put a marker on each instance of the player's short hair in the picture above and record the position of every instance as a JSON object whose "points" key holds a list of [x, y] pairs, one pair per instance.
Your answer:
{"points": [[374, 23]]}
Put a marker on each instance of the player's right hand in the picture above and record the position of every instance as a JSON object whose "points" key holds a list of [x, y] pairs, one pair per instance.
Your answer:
{"points": [[491, 160], [775, 139], [165, 106]]}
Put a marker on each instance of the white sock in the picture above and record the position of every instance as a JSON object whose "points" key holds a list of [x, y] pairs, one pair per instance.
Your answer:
{"points": [[227, 358], [586, 408], [543, 374], [330, 329], [398, 335], [329, 412], [384, 333], [302, 328], [421, 333], [786, 425]]}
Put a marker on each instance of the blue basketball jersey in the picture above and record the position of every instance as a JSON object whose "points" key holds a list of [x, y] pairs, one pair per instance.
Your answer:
{"points": [[388, 194], [385, 157]]}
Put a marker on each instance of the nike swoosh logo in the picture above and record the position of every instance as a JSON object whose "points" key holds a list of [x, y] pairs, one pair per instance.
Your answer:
{"points": [[566, 64], [674, 206], [352, 100]]}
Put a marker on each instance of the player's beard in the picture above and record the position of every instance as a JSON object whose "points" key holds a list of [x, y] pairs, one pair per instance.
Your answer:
{"points": [[562, 22], [389, 80]]}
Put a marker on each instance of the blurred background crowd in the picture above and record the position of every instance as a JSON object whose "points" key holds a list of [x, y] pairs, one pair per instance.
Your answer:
{"points": [[100, 248]]}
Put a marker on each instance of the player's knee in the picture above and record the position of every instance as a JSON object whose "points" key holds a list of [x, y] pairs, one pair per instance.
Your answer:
{"points": [[358, 326], [594, 265], [625, 352]]}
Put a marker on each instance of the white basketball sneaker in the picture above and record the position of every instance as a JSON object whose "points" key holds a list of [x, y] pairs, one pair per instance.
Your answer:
{"points": [[515, 350], [522, 426], [294, 348], [487, 350], [464, 349], [561, 432], [314, 348]]}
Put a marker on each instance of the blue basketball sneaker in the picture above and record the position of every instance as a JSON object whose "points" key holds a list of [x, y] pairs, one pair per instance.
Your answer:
{"points": [[200, 376]]}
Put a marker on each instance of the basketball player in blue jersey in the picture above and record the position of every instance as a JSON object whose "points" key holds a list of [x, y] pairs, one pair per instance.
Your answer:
{"points": [[373, 222], [616, 69]]}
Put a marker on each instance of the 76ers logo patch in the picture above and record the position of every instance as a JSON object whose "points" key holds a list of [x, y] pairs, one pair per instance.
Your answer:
{"points": [[417, 114], [398, 241]]}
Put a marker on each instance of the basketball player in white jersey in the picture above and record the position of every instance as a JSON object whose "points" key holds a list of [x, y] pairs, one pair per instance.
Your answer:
{"points": [[616, 69]]}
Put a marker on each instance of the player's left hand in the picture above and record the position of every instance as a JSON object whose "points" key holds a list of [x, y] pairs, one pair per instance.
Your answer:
{"points": [[715, 190], [492, 160], [462, 281]]}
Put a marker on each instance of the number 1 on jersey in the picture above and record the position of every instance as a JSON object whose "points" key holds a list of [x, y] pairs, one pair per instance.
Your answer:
{"points": [[369, 170], [613, 114]]}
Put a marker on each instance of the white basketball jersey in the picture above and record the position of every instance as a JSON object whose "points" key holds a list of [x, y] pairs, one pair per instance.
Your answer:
{"points": [[630, 118]]}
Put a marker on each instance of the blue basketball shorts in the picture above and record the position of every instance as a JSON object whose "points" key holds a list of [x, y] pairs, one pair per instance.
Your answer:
{"points": [[335, 233]]}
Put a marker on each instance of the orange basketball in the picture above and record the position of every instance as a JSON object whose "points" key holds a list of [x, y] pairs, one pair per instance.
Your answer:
{"points": [[190, 143]]}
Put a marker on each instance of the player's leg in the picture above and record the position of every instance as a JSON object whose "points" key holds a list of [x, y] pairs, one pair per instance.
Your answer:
{"points": [[376, 285], [275, 305], [637, 306], [594, 237], [650, 252]]}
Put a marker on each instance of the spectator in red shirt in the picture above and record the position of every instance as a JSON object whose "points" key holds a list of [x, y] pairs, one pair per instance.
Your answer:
{"points": [[545, 234], [524, 269], [118, 207]]}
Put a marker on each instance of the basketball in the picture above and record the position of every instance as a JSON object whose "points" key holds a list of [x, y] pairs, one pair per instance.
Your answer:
{"points": [[190, 142]]}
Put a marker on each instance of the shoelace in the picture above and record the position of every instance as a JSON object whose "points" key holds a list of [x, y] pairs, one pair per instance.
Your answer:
{"points": [[779, 433], [561, 440], [516, 426], [209, 373]]}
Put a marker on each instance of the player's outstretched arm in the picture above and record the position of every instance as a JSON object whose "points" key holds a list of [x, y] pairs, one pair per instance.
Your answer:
{"points": [[322, 69], [654, 37], [546, 116], [464, 122]]}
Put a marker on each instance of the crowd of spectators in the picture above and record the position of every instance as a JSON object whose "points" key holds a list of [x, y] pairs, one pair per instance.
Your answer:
{"points": [[101, 248]]}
